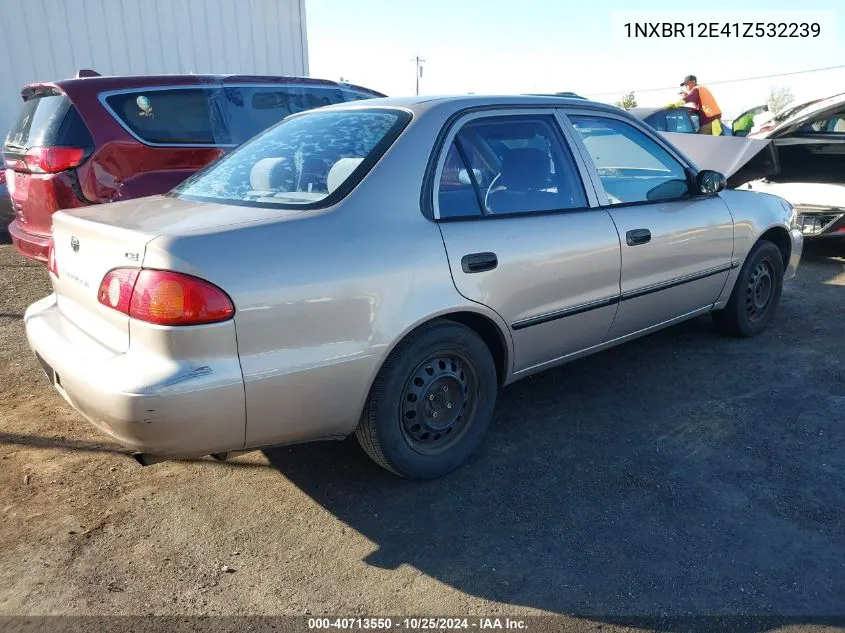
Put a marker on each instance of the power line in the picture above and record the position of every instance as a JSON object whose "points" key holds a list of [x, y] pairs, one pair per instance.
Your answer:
{"points": [[713, 83]]}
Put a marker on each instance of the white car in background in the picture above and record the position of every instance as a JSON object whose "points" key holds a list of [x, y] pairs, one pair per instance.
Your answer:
{"points": [[810, 148]]}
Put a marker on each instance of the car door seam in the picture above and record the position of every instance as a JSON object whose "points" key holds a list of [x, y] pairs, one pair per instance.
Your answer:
{"points": [[512, 351]]}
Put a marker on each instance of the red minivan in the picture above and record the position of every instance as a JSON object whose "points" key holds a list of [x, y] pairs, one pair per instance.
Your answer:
{"points": [[96, 139]]}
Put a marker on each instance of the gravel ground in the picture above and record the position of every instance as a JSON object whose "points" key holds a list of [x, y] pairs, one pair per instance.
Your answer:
{"points": [[681, 474]]}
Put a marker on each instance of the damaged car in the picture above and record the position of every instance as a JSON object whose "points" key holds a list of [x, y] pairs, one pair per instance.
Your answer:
{"points": [[383, 268], [810, 148]]}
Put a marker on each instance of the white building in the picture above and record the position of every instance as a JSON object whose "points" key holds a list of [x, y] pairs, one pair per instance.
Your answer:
{"points": [[46, 40]]}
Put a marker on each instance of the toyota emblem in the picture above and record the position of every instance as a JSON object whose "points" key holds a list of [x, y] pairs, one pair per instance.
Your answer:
{"points": [[74, 244]]}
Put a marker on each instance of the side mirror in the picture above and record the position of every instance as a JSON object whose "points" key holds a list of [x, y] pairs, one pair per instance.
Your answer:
{"points": [[710, 181]]}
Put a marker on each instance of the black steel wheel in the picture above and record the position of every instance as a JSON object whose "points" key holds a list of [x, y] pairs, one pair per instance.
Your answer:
{"points": [[432, 402], [438, 401], [756, 293], [760, 290]]}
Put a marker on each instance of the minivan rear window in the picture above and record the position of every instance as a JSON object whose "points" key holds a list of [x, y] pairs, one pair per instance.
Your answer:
{"points": [[48, 120], [177, 116], [307, 161]]}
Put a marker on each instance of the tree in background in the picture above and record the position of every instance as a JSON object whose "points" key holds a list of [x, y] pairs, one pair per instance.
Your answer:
{"points": [[779, 98], [628, 101]]}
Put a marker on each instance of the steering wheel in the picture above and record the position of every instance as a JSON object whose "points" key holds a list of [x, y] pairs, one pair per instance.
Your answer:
{"points": [[490, 190]]}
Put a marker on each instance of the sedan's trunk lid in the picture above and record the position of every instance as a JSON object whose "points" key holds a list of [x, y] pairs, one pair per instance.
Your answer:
{"points": [[91, 241], [84, 252]]}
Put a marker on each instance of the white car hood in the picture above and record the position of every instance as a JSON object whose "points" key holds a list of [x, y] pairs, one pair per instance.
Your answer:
{"points": [[803, 193]]}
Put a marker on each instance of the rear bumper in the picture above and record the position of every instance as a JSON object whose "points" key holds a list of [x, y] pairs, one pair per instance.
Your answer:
{"points": [[146, 402], [28, 244]]}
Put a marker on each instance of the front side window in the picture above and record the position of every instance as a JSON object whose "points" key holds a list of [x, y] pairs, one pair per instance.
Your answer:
{"points": [[300, 162], [518, 163], [356, 95], [632, 166], [177, 116], [253, 109]]}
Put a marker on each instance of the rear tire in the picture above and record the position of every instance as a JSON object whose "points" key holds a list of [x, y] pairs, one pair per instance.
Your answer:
{"points": [[432, 402], [756, 294]]}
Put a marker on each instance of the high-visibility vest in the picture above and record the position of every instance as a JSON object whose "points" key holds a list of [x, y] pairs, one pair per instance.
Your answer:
{"points": [[708, 104]]}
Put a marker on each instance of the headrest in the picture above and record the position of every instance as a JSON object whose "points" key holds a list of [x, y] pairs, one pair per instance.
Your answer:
{"points": [[525, 168], [271, 174], [340, 171]]}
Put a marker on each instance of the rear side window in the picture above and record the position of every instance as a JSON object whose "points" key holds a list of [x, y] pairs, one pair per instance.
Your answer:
{"points": [[49, 120], [307, 161], [678, 121], [456, 196], [518, 163], [831, 125], [252, 110], [179, 116]]}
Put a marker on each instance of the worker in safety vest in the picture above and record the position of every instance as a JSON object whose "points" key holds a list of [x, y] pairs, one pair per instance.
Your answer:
{"points": [[709, 112]]}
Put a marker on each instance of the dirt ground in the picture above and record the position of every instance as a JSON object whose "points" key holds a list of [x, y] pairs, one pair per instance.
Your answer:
{"points": [[681, 474]]}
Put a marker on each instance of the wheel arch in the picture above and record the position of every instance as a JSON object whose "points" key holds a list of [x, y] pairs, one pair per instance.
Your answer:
{"points": [[779, 236], [492, 332]]}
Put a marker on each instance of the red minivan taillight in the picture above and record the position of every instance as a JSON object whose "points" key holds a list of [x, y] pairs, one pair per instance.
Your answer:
{"points": [[164, 297], [50, 160]]}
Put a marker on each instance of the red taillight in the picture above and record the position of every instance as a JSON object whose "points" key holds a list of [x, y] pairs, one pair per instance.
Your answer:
{"points": [[52, 266], [164, 297], [2, 176], [116, 288], [49, 160]]}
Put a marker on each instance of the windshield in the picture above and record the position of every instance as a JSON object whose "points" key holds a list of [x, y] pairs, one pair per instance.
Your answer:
{"points": [[307, 161]]}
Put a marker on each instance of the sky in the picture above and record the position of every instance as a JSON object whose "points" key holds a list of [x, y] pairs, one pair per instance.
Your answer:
{"points": [[519, 46]]}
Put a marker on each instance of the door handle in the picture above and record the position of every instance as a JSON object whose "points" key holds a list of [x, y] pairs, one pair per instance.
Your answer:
{"points": [[637, 237], [479, 262]]}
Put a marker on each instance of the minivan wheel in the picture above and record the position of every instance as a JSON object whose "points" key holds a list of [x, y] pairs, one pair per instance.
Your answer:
{"points": [[756, 294], [432, 402]]}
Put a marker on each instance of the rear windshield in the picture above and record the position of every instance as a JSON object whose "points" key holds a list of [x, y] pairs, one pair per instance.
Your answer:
{"points": [[307, 161], [48, 120], [180, 116]]}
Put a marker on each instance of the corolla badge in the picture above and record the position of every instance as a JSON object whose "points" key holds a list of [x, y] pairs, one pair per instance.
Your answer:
{"points": [[74, 243]]}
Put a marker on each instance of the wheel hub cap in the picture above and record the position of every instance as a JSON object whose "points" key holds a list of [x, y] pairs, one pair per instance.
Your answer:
{"points": [[435, 402], [760, 290]]}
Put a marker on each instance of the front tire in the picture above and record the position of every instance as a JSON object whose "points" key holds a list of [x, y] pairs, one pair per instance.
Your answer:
{"points": [[432, 402], [756, 294]]}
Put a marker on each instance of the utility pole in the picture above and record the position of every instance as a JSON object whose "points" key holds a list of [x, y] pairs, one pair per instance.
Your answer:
{"points": [[419, 60]]}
